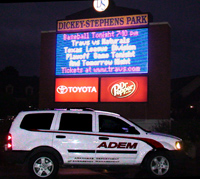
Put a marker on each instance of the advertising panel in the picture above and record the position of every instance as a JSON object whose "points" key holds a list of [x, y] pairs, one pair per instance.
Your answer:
{"points": [[123, 89], [102, 52], [76, 89]]}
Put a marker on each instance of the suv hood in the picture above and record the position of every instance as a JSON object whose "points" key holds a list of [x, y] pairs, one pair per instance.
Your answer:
{"points": [[162, 135]]}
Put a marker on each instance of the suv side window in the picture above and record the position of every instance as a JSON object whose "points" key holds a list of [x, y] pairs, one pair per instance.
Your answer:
{"points": [[115, 125], [76, 122], [37, 121]]}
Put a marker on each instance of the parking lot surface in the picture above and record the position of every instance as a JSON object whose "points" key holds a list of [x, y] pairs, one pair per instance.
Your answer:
{"points": [[190, 168]]}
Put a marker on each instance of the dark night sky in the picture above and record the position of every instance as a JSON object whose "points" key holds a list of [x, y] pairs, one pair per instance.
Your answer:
{"points": [[22, 23]]}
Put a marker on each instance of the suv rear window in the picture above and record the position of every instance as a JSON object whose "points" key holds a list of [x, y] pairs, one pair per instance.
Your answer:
{"points": [[76, 122], [37, 121]]}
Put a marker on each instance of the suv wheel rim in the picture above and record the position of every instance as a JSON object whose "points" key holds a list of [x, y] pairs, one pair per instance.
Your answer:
{"points": [[159, 165], [43, 167]]}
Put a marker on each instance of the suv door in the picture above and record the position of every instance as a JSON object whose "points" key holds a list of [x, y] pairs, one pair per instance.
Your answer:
{"points": [[74, 137], [116, 143]]}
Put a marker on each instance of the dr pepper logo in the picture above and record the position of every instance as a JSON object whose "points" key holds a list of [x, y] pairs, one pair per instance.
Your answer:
{"points": [[123, 88]]}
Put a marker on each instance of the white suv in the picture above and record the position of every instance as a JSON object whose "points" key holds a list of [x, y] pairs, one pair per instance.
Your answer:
{"points": [[47, 139]]}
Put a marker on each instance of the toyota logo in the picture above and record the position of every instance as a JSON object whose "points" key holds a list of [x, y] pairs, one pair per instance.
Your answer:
{"points": [[61, 89]]}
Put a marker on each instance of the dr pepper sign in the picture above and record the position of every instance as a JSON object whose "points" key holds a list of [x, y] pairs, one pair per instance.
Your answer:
{"points": [[124, 89]]}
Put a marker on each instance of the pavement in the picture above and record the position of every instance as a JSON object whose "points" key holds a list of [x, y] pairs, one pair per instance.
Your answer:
{"points": [[191, 168], [187, 167]]}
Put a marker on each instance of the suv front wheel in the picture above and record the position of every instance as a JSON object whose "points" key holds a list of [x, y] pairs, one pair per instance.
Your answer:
{"points": [[43, 165], [159, 164]]}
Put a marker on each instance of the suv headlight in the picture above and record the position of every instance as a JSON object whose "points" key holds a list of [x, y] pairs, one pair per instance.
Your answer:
{"points": [[178, 145]]}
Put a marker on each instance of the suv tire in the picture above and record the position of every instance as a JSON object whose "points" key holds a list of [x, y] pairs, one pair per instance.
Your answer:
{"points": [[158, 164], [43, 165]]}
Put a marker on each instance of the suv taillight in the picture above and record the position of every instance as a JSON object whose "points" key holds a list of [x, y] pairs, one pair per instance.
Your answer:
{"points": [[9, 142]]}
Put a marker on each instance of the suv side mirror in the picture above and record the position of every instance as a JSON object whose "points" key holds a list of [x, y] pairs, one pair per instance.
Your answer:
{"points": [[132, 130]]}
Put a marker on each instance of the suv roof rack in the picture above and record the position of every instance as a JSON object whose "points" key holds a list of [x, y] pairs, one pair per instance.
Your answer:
{"points": [[76, 108], [88, 109], [81, 108]]}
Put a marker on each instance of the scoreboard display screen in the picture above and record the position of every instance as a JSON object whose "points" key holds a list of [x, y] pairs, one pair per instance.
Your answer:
{"points": [[102, 52]]}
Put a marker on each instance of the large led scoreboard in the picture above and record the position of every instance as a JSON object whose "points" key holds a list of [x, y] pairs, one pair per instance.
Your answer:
{"points": [[99, 60], [102, 52]]}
